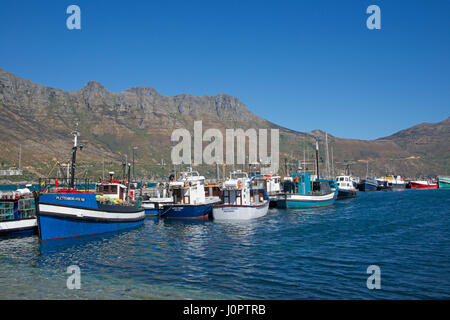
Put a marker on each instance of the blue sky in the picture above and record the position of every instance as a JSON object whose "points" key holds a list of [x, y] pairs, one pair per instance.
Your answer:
{"points": [[301, 64]]}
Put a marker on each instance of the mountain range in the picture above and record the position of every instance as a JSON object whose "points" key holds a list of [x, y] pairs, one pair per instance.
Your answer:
{"points": [[37, 121]]}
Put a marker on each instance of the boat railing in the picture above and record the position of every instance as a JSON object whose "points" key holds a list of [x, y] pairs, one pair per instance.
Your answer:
{"points": [[63, 185], [238, 175]]}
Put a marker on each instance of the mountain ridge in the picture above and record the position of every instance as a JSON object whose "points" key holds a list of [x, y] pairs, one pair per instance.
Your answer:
{"points": [[41, 117]]}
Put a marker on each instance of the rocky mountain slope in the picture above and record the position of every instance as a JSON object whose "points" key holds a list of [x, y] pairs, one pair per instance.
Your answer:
{"points": [[40, 118]]}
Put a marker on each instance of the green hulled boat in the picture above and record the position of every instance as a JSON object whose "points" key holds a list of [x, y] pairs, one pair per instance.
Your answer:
{"points": [[444, 182]]}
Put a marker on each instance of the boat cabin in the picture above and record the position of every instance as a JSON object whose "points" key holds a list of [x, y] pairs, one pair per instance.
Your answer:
{"points": [[190, 189], [271, 183], [321, 187], [112, 189], [345, 182], [298, 183], [236, 191]]}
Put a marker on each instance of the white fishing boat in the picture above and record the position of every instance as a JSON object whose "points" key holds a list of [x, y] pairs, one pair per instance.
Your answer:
{"points": [[240, 201], [346, 187], [392, 182], [271, 183], [155, 198]]}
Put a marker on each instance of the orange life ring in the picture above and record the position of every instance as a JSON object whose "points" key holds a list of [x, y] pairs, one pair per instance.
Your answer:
{"points": [[239, 184], [297, 179]]}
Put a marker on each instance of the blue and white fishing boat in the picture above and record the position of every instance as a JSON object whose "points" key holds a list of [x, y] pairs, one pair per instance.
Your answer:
{"points": [[71, 212], [189, 200], [240, 201], [17, 213], [368, 185], [301, 192]]}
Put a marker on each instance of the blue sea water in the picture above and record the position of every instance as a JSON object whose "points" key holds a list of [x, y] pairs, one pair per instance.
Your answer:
{"points": [[318, 253]]}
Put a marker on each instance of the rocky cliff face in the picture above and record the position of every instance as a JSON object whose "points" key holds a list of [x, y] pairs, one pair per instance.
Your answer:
{"points": [[40, 118]]}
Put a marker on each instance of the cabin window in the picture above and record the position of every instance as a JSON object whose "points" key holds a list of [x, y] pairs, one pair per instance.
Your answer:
{"points": [[238, 195], [113, 189], [226, 196]]}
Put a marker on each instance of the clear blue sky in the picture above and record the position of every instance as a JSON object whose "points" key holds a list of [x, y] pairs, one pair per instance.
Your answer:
{"points": [[301, 64]]}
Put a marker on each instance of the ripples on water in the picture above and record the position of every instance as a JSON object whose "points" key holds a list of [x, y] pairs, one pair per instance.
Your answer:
{"points": [[318, 253]]}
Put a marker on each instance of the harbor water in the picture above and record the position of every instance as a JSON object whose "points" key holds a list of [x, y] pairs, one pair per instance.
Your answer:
{"points": [[320, 253]]}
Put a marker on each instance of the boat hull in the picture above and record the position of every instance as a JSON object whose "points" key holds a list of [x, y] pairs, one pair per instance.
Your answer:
{"points": [[153, 209], [368, 186], [202, 211], [346, 194], [153, 212], [398, 186], [231, 212], [60, 221], [444, 182], [417, 185], [293, 201], [18, 227], [273, 199]]}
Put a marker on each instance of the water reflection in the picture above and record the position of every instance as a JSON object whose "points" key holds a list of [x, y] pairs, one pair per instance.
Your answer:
{"points": [[287, 254]]}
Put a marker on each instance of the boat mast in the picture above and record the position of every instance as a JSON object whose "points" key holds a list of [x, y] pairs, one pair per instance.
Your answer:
{"points": [[332, 164], [75, 134], [367, 170], [128, 181], [317, 159], [328, 157]]}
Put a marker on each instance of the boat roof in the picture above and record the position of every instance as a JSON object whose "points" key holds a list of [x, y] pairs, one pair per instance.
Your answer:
{"points": [[238, 174], [113, 182]]}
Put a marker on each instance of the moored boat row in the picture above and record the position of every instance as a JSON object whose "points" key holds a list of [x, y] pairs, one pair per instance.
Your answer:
{"points": [[66, 208]]}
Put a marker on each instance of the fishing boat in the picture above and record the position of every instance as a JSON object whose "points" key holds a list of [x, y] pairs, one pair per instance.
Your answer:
{"points": [[72, 210], [444, 182], [392, 182], [240, 201], [368, 185], [17, 213], [301, 192], [383, 185], [155, 198], [423, 184], [189, 199], [271, 183], [346, 187]]}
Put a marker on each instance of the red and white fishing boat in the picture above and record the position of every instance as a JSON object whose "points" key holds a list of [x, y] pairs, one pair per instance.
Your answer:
{"points": [[422, 184]]}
